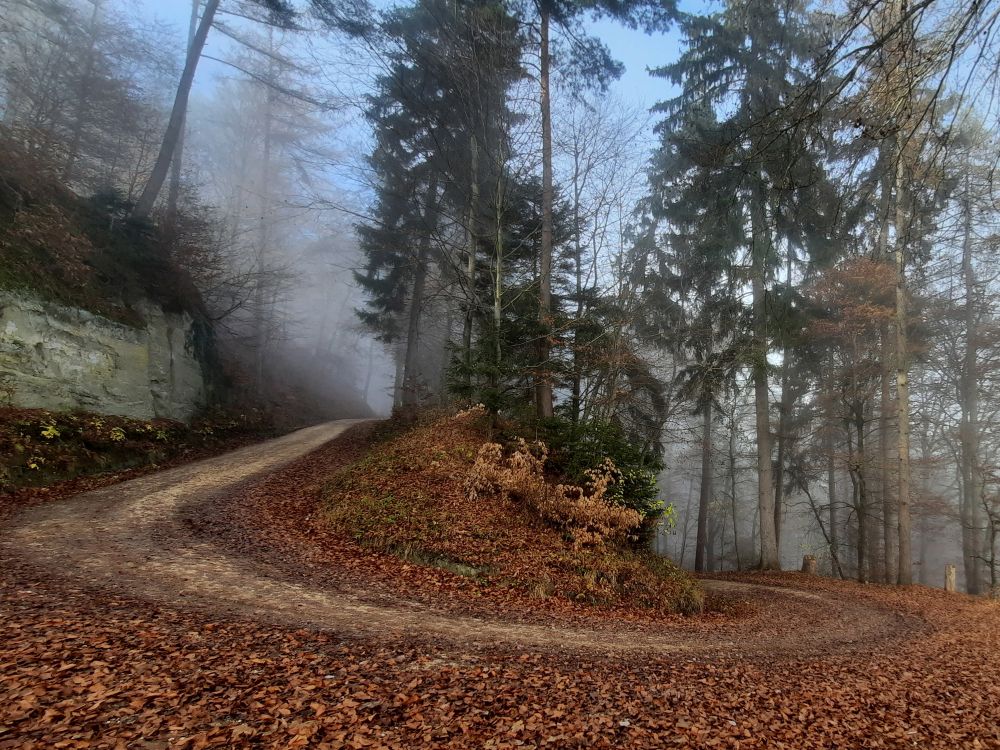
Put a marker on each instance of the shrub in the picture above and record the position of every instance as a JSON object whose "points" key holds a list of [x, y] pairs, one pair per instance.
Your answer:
{"points": [[579, 448], [585, 513]]}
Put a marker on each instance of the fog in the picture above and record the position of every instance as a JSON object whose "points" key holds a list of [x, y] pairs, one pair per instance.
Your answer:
{"points": [[780, 285]]}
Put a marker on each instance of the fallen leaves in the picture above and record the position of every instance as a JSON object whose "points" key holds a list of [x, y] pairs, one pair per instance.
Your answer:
{"points": [[88, 668]]}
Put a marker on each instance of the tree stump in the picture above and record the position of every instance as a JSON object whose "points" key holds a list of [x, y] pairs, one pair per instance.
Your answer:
{"points": [[809, 564], [949, 578]]}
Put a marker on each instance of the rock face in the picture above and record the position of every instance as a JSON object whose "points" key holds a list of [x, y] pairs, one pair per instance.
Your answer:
{"points": [[56, 357]]}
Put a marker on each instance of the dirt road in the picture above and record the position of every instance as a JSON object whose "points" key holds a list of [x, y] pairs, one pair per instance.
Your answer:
{"points": [[129, 538]]}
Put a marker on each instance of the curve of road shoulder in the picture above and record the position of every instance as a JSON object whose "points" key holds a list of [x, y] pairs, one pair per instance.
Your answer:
{"points": [[113, 538]]}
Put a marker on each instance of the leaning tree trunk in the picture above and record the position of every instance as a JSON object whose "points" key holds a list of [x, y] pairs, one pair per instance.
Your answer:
{"points": [[175, 124], [177, 162], [543, 382], [261, 323]]}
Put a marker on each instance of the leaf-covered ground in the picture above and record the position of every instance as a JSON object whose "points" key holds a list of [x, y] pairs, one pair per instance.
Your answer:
{"points": [[408, 497], [110, 661]]}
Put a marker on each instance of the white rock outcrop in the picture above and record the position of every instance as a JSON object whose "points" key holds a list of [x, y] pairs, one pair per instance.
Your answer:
{"points": [[57, 357]]}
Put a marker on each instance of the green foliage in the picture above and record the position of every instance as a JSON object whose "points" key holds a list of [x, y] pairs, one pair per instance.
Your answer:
{"points": [[448, 69], [387, 521], [577, 448]]}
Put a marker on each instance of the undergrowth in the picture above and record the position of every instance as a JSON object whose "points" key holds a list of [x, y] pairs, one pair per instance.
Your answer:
{"points": [[83, 252], [40, 447], [422, 495]]}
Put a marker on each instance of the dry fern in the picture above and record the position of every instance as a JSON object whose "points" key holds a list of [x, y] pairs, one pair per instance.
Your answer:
{"points": [[584, 513]]}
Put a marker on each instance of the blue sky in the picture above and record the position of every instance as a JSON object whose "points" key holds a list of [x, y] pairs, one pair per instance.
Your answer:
{"points": [[639, 51]]}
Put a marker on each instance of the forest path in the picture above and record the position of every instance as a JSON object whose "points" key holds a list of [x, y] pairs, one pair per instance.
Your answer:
{"points": [[195, 608], [138, 539]]}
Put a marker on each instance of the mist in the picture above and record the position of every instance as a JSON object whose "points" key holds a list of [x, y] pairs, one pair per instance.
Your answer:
{"points": [[778, 292]]}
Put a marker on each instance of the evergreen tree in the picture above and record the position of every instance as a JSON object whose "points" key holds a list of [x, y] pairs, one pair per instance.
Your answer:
{"points": [[439, 108], [755, 172], [589, 63]]}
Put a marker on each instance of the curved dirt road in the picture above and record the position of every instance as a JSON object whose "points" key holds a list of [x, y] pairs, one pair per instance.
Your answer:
{"points": [[130, 538]]}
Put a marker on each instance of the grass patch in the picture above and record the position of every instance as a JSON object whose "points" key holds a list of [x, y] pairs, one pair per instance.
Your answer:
{"points": [[419, 556]]}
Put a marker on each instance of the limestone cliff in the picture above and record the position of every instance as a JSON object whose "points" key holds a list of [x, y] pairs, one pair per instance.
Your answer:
{"points": [[55, 356]]}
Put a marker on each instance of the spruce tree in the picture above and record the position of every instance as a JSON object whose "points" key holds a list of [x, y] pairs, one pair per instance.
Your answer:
{"points": [[754, 171], [440, 107]]}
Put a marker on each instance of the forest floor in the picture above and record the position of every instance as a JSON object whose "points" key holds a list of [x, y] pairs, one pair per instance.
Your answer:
{"points": [[203, 607]]}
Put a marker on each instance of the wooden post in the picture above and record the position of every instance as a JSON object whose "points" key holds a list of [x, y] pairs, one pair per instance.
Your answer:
{"points": [[949, 578], [809, 565]]}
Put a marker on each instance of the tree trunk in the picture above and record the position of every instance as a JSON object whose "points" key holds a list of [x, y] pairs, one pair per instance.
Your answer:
{"points": [[263, 247], [470, 268], [854, 423], [411, 370], [498, 247], [710, 554], [994, 562], [705, 492], [784, 409], [369, 371], [905, 565], [175, 125], [543, 381], [972, 481], [687, 524], [578, 269], [831, 488], [885, 462], [176, 163], [886, 155], [732, 493], [862, 505], [765, 488], [398, 359]]}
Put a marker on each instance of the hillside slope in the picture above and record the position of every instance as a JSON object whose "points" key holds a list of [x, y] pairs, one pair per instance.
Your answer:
{"points": [[412, 497]]}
